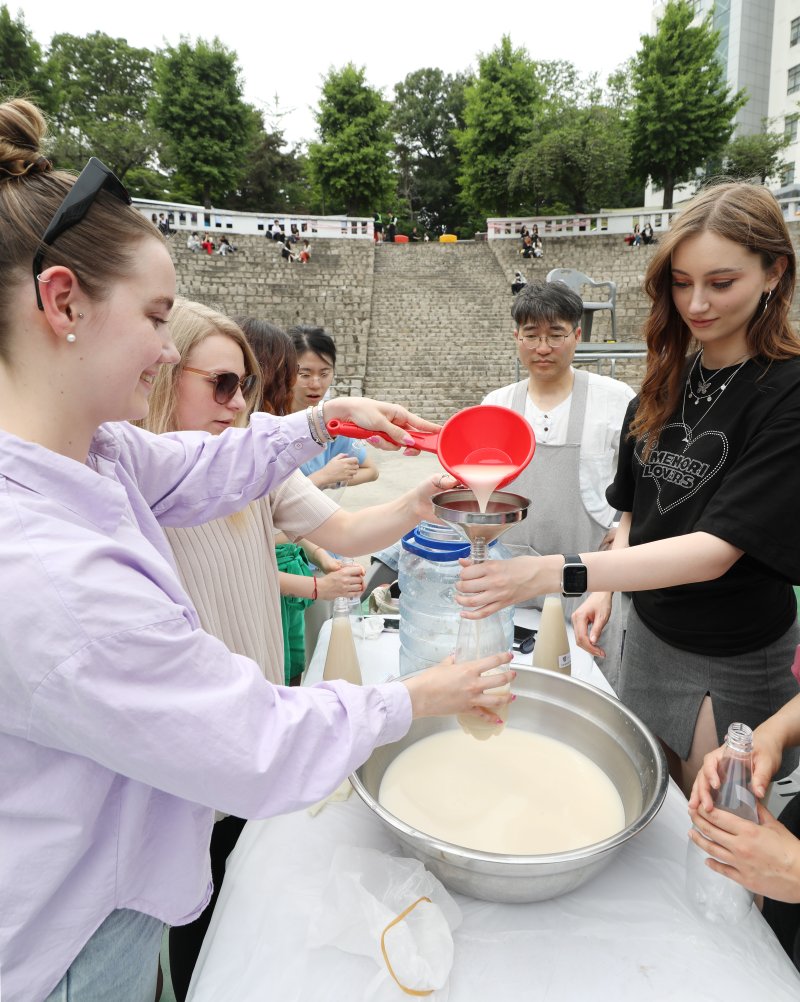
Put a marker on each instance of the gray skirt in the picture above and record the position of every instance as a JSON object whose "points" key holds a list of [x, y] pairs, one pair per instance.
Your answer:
{"points": [[665, 686]]}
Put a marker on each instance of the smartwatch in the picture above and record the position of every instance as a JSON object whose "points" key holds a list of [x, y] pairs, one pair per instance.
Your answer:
{"points": [[573, 577]]}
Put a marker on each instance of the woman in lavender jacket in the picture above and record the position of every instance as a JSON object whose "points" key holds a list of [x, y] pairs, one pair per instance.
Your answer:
{"points": [[123, 724]]}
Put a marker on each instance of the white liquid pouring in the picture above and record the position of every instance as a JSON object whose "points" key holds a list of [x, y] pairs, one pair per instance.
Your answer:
{"points": [[521, 793], [483, 478]]}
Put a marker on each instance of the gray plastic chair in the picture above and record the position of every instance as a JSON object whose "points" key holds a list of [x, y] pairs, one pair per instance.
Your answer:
{"points": [[575, 280]]}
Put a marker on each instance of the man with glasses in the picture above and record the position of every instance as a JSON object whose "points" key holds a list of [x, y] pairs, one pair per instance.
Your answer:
{"points": [[576, 417]]}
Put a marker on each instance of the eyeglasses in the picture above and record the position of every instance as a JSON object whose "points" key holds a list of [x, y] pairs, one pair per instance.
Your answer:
{"points": [[94, 178], [225, 383], [552, 340], [306, 377]]}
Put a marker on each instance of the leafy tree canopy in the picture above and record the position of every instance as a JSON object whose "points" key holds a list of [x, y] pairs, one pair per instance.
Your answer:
{"points": [[683, 110], [428, 110], [350, 165], [756, 156], [21, 66], [101, 87], [208, 129], [497, 115]]}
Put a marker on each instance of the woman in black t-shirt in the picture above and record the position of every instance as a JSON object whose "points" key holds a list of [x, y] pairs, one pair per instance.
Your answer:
{"points": [[708, 482]]}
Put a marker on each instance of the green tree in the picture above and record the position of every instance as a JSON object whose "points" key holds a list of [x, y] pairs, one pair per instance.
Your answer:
{"points": [[499, 105], [101, 87], [683, 110], [757, 155], [275, 178], [576, 156], [21, 65], [350, 164], [208, 129], [428, 110]]}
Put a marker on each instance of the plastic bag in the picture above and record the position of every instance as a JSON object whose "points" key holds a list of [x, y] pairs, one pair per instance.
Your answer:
{"points": [[366, 893]]}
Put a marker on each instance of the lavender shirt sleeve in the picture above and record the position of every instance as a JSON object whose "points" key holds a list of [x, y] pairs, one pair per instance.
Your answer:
{"points": [[193, 477], [182, 714]]}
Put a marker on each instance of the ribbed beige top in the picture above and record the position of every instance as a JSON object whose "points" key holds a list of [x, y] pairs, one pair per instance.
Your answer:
{"points": [[228, 567]]}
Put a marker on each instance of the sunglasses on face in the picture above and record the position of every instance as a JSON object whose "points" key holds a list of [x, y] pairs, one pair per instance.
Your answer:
{"points": [[94, 178], [225, 383]]}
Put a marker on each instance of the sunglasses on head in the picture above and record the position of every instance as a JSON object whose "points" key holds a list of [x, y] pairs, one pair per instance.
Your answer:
{"points": [[225, 383], [94, 178]]}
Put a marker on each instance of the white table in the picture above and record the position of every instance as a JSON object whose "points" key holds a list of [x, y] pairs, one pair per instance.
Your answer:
{"points": [[627, 935]]}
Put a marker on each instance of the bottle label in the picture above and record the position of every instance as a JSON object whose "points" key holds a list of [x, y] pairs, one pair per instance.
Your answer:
{"points": [[564, 661]]}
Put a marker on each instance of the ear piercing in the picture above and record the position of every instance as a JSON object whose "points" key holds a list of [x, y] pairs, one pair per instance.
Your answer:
{"points": [[71, 338]]}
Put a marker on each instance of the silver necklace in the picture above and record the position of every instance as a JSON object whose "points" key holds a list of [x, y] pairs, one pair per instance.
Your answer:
{"points": [[687, 391], [704, 390]]}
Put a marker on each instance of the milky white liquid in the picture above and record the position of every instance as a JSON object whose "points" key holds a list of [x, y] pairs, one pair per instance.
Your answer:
{"points": [[521, 793], [341, 661], [483, 478], [551, 649]]}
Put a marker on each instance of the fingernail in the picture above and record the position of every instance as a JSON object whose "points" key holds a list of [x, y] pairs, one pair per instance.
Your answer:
{"points": [[374, 439], [513, 697], [408, 440], [499, 720]]}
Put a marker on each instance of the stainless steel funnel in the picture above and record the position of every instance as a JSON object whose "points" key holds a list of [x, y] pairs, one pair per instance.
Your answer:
{"points": [[459, 509]]}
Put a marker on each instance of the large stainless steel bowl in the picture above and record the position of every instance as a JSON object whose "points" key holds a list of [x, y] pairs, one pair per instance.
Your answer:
{"points": [[582, 716]]}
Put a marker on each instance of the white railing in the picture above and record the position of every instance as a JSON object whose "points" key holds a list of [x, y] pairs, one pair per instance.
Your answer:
{"points": [[621, 222], [187, 218], [590, 224]]}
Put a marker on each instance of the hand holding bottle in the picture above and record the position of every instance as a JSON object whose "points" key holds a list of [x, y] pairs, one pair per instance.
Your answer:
{"points": [[764, 858], [347, 581], [450, 688]]}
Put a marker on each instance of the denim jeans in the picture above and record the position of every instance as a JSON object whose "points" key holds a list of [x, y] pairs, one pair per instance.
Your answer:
{"points": [[119, 962]]}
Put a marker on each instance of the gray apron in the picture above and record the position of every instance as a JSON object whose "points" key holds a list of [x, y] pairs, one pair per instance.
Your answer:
{"points": [[557, 520]]}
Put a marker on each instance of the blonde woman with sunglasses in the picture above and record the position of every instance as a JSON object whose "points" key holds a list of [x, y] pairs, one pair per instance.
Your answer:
{"points": [[122, 722]]}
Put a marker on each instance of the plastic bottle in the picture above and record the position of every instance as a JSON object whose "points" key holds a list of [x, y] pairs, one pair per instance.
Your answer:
{"points": [[551, 649], [478, 638], [341, 661], [712, 895], [428, 573]]}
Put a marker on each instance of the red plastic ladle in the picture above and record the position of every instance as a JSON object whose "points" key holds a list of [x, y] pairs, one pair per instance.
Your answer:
{"points": [[477, 435]]}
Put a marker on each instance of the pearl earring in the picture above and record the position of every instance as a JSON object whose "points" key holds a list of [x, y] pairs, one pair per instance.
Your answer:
{"points": [[71, 338]]}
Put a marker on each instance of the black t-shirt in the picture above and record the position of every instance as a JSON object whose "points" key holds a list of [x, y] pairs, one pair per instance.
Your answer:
{"points": [[737, 477]]}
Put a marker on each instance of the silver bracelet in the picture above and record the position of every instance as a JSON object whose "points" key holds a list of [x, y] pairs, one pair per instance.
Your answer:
{"points": [[322, 427], [312, 428]]}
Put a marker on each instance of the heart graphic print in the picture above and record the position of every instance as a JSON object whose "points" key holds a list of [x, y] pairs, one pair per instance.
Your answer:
{"points": [[678, 476]]}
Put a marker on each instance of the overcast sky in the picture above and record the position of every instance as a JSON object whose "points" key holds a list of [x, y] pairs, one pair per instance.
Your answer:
{"points": [[286, 48]]}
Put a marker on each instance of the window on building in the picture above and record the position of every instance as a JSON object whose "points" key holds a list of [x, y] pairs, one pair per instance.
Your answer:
{"points": [[787, 177], [794, 79], [790, 127], [794, 38]]}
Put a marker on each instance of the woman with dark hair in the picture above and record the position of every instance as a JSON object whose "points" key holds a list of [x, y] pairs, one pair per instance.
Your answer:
{"points": [[707, 481], [344, 461], [122, 722]]}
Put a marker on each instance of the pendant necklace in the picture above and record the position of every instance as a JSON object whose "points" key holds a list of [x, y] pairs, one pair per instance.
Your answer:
{"points": [[703, 394], [704, 391]]}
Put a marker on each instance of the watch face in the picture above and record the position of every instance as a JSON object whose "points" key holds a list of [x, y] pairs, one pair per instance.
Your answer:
{"points": [[573, 579]]}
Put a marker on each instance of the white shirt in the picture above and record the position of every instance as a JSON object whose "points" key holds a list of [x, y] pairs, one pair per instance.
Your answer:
{"points": [[606, 402]]}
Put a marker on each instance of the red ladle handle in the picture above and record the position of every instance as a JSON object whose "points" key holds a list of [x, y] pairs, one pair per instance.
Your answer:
{"points": [[428, 441]]}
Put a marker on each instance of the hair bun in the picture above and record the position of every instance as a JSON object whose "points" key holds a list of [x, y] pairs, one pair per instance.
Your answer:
{"points": [[22, 132]]}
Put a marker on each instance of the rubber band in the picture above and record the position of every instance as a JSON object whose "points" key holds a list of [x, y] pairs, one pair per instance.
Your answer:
{"points": [[314, 593], [417, 992]]}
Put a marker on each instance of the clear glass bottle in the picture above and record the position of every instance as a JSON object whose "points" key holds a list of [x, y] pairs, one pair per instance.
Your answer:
{"points": [[551, 649], [712, 895], [341, 661], [478, 638]]}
